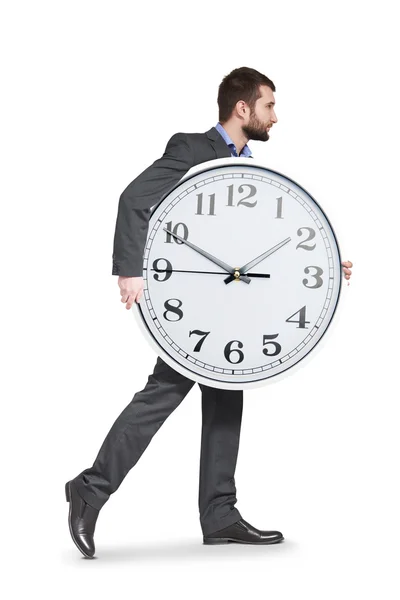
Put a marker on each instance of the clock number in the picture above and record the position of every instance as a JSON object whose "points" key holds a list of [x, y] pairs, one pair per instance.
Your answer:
{"points": [[319, 281], [199, 344], [171, 238], [228, 351], [200, 204], [173, 309], [167, 270], [253, 190], [279, 208], [278, 347], [302, 318], [310, 237]]}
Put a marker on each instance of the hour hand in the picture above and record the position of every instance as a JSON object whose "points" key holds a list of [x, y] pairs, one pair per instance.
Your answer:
{"points": [[215, 260], [255, 261]]}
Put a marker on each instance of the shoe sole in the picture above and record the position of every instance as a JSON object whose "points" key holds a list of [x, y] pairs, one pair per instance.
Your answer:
{"points": [[68, 497], [212, 541]]}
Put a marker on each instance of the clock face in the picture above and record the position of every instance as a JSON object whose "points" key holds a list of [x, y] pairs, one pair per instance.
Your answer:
{"points": [[223, 331]]}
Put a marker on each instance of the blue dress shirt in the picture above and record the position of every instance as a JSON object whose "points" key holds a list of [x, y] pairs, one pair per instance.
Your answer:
{"points": [[245, 150]]}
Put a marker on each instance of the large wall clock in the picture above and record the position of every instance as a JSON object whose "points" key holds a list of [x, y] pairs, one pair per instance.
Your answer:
{"points": [[242, 275]]}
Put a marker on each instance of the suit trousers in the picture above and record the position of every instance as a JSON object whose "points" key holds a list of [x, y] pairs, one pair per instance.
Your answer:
{"points": [[133, 430]]}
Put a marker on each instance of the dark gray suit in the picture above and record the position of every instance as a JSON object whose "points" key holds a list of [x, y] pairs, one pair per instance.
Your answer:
{"points": [[166, 388]]}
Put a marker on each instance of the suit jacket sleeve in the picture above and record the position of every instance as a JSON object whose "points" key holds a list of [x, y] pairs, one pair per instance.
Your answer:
{"points": [[139, 197]]}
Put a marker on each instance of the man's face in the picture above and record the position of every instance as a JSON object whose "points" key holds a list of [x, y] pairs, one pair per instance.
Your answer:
{"points": [[262, 117]]}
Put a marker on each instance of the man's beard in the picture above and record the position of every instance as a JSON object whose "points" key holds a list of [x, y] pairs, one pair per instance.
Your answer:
{"points": [[255, 130]]}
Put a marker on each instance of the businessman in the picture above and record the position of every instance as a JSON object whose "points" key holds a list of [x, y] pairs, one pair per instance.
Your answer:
{"points": [[246, 112]]}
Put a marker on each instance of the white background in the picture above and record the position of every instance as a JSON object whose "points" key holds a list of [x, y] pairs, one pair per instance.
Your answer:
{"points": [[92, 91]]}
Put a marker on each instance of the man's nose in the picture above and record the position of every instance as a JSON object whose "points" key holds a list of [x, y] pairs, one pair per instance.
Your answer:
{"points": [[274, 118]]}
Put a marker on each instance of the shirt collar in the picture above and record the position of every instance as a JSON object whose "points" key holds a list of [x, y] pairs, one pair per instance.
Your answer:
{"points": [[245, 150]]}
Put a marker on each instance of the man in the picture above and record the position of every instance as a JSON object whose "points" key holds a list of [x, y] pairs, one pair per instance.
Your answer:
{"points": [[246, 112]]}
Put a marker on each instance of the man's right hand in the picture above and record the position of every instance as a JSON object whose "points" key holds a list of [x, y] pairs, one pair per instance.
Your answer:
{"points": [[131, 289]]}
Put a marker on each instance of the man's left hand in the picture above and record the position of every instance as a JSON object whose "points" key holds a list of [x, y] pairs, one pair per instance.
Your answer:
{"points": [[347, 264]]}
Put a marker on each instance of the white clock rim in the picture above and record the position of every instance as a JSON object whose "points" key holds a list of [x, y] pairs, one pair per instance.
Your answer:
{"points": [[197, 378]]}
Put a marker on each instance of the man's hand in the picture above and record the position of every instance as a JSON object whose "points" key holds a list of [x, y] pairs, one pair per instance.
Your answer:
{"points": [[131, 289], [347, 264]]}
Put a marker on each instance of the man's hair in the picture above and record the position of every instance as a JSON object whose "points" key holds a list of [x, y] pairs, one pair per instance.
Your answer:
{"points": [[240, 84]]}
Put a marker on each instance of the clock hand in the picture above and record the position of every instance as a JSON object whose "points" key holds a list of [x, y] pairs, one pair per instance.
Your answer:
{"points": [[207, 272], [255, 261], [218, 262]]}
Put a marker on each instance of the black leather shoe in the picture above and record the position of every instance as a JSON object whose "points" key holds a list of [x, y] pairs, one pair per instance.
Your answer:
{"points": [[243, 533], [82, 520]]}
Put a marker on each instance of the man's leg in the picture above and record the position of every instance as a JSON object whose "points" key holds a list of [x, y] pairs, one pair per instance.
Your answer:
{"points": [[131, 433], [222, 417]]}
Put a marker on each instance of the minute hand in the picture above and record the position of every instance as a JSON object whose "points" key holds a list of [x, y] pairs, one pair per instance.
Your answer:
{"points": [[254, 262], [218, 262]]}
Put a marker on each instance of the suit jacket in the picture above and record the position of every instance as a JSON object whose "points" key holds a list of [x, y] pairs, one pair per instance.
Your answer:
{"points": [[183, 151]]}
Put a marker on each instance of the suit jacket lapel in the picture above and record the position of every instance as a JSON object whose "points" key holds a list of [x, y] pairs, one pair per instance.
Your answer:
{"points": [[218, 143]]}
